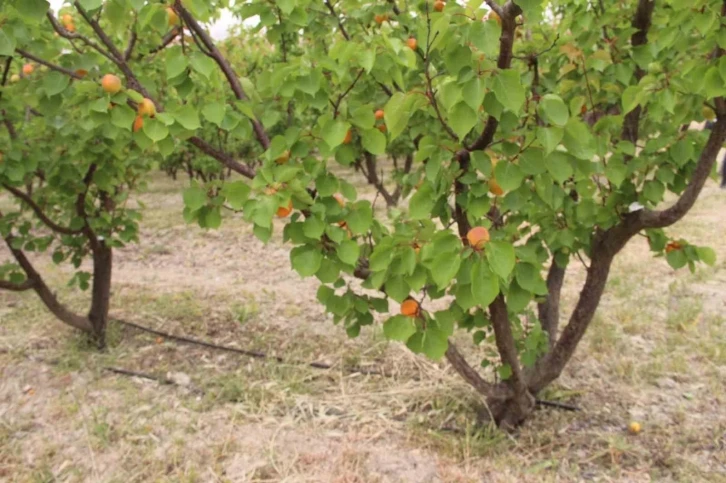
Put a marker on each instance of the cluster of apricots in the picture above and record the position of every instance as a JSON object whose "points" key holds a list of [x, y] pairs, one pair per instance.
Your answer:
{"points": [[111, 84], [379, 117], [68, 24]]}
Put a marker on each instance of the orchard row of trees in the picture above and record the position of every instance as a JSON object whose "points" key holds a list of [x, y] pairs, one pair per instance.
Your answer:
{"points": [[522, 135]]}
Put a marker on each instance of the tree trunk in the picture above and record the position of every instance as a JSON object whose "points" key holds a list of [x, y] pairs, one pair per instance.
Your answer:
{"points": [[101, 292], [510, 412]]}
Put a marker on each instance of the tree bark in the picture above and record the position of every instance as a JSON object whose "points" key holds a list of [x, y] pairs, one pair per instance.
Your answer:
{"points": [[101, 292], [549, 310]]}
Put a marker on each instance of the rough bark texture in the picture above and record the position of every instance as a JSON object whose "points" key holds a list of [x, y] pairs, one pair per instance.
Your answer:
{"points": [[101, 292], [549, 310]]}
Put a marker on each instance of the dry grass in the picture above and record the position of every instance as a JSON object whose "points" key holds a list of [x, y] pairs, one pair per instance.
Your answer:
{"points": [[656, 353]]}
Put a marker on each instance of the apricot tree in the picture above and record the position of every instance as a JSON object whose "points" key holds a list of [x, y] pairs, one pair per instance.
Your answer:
{"points": [[539, 132]]}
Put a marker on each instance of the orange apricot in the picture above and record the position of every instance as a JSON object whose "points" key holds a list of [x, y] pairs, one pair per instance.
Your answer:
{"points": [[410, 308], [478, 237], [284, 211], [111, 83]]}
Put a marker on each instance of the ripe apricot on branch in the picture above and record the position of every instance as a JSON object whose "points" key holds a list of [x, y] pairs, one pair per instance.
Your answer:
{"points": [[146, 108], [284, 158], [284, 211], [28, 69], [348, 137], [380, 114], [410, 308], [138, 123], [111, 83], [380, 19], [494, 187], [708, 113], [382, 128], [412, 43], [478, 237], [173, 17], [672, 247], [439, 5], [14, 78], [67, 19], [495, 16]]}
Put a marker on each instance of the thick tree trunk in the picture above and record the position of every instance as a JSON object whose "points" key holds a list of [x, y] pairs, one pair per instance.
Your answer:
{"points": [[101, 292]]}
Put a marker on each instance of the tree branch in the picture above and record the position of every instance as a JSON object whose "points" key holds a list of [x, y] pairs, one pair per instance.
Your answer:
{"points": [[549, 310], [340, 22], [165, 41], [45, 294], [224, 65], [39, 211], [663, 218], [506, 344], [471, 376], [60, 30], [16, 287], [641, 22], [57, 68], [223, 157]]}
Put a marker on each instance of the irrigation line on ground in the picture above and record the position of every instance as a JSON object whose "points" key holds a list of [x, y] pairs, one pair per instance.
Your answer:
{"points": [[263, 355]]}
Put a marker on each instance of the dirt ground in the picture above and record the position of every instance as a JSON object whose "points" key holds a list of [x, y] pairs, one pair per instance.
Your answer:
{"points": [[655, 354]]}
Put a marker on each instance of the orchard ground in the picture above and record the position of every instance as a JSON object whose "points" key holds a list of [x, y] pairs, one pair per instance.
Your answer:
{"points": [[656, 354]]}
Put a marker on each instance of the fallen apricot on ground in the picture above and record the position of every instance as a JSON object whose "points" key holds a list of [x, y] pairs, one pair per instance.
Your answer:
{"points": [[410, 308], [634, 427], [478, 237], [111, 83], [284, 211]]}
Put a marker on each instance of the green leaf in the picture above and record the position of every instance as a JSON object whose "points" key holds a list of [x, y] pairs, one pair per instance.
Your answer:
{"points": [[155, 130], [90, 4], [397, 113], [175, 65], [462, 119], [306, 260], [374, 141], [397, 289], [549, 137], [55, 83], [214, 112], [202, 64], [35, 10], [707, 255], [360, 217], [7, 43], [484, 284], [422, 202], [435, 343], [187, 116], [348, 251], [508, 175], [677, 259], [444, 268], [500, 255], [530, 279], [559, 166], [236, 193], [632, 96], [334, 133], [399, 328], [122, 116], [554, 110], [366, 58], [313, 227], [194, 197], [508, 89]]}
